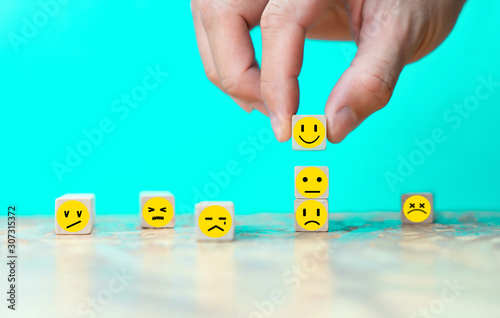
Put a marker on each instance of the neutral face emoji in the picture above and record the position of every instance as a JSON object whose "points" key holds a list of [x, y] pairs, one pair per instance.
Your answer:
{"points": [[311, 182], [417, 208], [311, 215], [72, 216], [215, 221], [309, 132], [157, 212]]}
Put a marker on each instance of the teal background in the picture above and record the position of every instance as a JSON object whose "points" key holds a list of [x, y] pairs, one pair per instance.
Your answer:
{"points": [[66, 78]]}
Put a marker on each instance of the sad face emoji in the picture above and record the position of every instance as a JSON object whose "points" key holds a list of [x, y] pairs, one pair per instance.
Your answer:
{"points": [[311, 215], [417, 208], [215, 221]]}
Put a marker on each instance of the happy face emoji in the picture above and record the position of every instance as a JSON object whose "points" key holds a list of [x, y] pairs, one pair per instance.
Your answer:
{"points": [[311, 182], [311, 215], [309, 132], [72, 216], [157, 212], [417, 208]]}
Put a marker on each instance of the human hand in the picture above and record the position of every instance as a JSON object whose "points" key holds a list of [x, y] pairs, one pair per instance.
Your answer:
{"points": [[389, 34]]}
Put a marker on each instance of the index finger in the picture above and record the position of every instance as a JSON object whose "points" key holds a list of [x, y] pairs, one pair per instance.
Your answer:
{"points": [[284, 25]]}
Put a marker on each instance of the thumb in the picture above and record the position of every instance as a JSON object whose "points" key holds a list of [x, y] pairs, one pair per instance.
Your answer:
{"points": [[365, 87]]}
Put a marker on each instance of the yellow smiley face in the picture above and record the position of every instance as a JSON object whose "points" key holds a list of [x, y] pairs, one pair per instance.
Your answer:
{"points": [[309, 132], [157, 212], [72, 216], [311, 215], [311, 182], [215, 221], [417, 208]]}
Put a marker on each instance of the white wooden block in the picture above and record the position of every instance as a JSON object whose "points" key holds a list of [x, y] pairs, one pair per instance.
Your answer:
{"points": [[214, 221], [311, 182], [311, 215], [157, 209], [75, 213], [417, 208], [309, 132]]}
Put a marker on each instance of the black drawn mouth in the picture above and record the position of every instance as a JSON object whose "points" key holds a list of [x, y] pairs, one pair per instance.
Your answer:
{"points": [[416, 210], [73, 224], [312, 191], [311, 221], [215, 227], [309, 142], [158, 218]]}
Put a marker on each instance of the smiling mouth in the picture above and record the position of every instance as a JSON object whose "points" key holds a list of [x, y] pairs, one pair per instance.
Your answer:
{"points": [[309, 142], [73, 224], [215, 227], [158, 218], [311, 222], [416, 210]]}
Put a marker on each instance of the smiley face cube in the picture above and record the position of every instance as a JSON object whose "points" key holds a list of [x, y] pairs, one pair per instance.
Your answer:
{"points": [[214, 221], [157, 209], [311, 182], [309, 132], [417, 208], [75, 213], [311, 215]]}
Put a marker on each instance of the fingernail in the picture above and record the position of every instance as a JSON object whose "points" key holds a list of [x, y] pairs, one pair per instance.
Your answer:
{"points": [[275, 123], [344, 121]]}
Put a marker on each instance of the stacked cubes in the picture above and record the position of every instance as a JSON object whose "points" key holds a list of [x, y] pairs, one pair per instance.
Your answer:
{"points": [[311, 183]]}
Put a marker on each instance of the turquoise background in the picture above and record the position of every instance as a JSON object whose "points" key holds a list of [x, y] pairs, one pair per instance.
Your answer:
{"points": [[69, 77]]}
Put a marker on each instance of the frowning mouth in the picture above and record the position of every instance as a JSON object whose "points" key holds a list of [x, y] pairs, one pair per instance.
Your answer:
{"points": [[311, 221], [416, 210], [215, 227], [308, 142], [73, 224]]}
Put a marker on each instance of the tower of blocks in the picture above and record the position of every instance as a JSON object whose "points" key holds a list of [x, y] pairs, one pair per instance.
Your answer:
{"points": [[214, 221], [417, 208], [311, 183], [75, 213], [157, 209], [311, 199]]}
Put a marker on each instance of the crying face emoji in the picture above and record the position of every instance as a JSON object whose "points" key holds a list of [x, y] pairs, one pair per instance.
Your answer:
{"points": [[157, 212], [215, 221]]}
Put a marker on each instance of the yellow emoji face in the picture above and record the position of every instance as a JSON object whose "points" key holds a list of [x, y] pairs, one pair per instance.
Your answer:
{"points": [[157, 212], [311, 182], [311, 215], [417, 208], [72, 216], [309, 132], [215, 221]]}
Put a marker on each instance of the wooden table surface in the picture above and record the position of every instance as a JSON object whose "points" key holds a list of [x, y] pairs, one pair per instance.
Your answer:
{"points": [[368, 265]]}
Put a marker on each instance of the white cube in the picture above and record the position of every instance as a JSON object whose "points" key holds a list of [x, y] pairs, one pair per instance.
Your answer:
{"points": [[309, 132], [312, 182], [214, 221], [75, 213], [311, 215], [157, 209]]}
